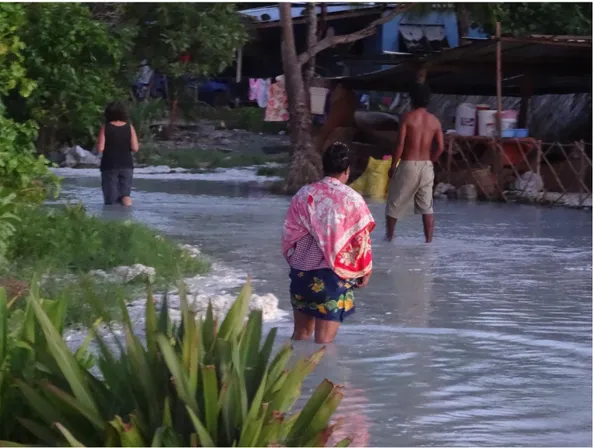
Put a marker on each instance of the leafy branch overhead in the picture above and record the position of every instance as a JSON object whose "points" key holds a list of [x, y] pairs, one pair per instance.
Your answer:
{"points": [[208, 32]]}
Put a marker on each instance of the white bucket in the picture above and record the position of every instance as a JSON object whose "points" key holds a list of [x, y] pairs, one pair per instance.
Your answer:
{"points": [[317, 100], [508, 123], [487, 125], [466, 119], [509, 119]]}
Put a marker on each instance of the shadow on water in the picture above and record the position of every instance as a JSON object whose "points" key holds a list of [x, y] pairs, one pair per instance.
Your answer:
{"points": [[482, 338]]}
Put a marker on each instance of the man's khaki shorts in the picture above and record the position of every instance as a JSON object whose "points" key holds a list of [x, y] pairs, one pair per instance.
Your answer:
{"points": [[412, 181]]}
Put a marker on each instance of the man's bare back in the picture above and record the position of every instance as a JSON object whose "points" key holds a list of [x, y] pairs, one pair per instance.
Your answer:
{"points": [[417, 131], [413, 180]]}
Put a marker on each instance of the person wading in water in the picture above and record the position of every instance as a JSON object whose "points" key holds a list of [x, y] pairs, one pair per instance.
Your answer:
{"points": [[413, 179], [326, 241], [117, 141]]}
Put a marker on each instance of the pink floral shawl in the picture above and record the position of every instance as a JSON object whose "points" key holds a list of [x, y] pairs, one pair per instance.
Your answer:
{"points": [[340, 222]]}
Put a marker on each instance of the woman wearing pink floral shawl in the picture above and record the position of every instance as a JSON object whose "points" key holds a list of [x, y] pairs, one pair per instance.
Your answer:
{"points": [[326, 241]]}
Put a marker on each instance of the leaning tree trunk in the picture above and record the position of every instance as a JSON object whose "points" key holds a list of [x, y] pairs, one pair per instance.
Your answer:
{"points": [[305, 164], [309, 69], [463, 23]]}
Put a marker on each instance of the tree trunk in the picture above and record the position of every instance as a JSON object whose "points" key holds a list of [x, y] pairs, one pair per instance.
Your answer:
{"points": [[312, 38], [463, 23], [305, 164]]}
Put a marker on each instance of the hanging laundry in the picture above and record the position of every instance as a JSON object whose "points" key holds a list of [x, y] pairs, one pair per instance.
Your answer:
{"points": [[317, 99], [253, 93], [263, 91], [277, 108]]}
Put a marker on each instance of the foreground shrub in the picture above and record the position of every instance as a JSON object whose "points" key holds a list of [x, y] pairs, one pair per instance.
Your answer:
{"points": [[189, 384], [69, 240], [8, 221]]}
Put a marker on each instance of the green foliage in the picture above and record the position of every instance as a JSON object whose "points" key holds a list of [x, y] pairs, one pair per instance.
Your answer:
{"points": [[143, 113], [75, 61], [520, 19], [12, 70], [69, 240], [545, 18], [88, 298], [209, 32], [8, 222], [20, 340], [189, 384], [21, 170]]}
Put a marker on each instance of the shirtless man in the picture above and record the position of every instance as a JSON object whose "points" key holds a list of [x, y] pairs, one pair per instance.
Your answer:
{"points": [[413, 180]]}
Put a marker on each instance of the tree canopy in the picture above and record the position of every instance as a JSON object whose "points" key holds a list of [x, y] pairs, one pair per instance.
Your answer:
{"points": [[207, 32], [545, 18]]}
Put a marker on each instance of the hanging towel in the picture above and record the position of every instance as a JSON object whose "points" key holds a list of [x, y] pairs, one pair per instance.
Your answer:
{"points": [[277, 108], [253, 95], [263, 91]]}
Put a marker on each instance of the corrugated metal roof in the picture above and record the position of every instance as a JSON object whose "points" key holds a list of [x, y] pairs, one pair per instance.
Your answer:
{"points": [[270, 14], [557, 65]]}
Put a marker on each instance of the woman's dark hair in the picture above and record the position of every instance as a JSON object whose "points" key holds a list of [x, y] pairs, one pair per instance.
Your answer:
{"points": [[336, 159], [419, 95], [116, 111]]}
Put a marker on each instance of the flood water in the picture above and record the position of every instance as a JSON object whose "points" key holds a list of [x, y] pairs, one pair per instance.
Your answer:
{"points": [[482, 338]]}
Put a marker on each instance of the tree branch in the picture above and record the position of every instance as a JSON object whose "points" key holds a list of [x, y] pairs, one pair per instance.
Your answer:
{"points": [[369, 30]]}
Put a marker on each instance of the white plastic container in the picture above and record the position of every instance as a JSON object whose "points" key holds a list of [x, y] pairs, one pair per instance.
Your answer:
{"points": [[509, 119], [466, 119], [317, 99], [487, 124], [508, 123]]}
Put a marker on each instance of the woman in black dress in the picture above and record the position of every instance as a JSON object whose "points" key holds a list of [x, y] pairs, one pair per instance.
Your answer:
{"points": [[117, 141]]}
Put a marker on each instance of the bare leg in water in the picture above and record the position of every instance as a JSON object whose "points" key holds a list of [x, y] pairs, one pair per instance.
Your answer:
{"points": [[304, 327], [390, 227], [326, 331], [428, 224]]}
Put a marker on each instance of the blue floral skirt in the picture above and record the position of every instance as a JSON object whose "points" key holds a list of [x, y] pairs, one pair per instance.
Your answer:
{"points": [[322, 294]]}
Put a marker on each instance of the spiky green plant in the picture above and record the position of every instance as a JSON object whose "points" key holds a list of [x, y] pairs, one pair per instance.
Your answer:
{"points": [[189, 384]]}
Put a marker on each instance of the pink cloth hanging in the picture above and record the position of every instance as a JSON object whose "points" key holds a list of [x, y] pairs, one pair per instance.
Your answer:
{"points": [[277, 108], [253, 94]]}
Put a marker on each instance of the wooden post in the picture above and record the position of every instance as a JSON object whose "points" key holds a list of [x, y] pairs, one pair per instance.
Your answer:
{"points": [[538, 156], [450, 156], [582, 170], [238, 70], [498, 79], [497, 146]]}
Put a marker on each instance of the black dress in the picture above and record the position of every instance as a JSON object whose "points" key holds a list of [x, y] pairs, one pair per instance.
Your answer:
{"points": [[117, 165]]}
